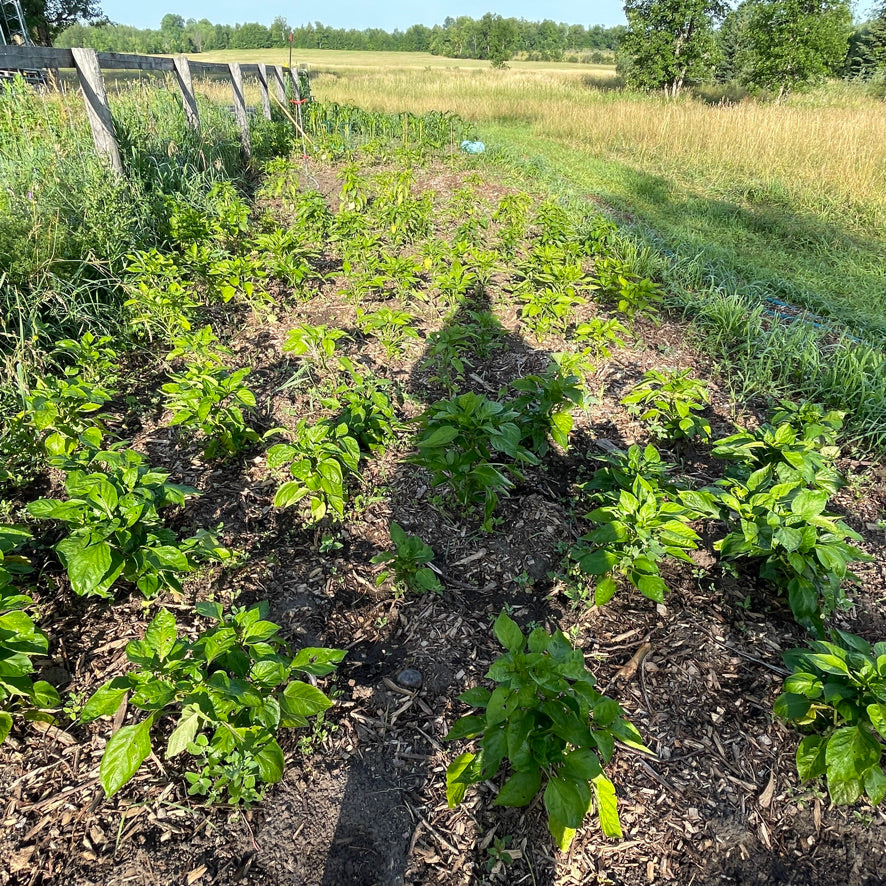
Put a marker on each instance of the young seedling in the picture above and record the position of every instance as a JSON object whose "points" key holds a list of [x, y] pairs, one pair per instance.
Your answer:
{"points": [[409, 563]]}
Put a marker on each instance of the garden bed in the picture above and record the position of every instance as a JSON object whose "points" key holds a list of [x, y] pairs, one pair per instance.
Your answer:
{"points": [[363, 798]]}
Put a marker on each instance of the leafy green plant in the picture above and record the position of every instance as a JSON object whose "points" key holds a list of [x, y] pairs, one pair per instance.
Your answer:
{"points": [[620, 469], [544, 406], [392, 328], [633, 296], [802, 549], [455, 282], [316, 342], [91, 356], [512, 216], [669, 402], [283, 256], [318, 461], [463, 442], [601, 336], [409, 563], [637, 298], [161, 302], [230, 691], [114, 526], [554, 728], [367, 405], [837, 693], [811, 422], [641, 527], [60, 409], [786, 450], [453, 349], [209, 398], [20, 639]]}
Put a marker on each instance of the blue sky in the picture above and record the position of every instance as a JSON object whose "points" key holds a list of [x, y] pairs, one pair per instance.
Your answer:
{"points": [[348, 13]]}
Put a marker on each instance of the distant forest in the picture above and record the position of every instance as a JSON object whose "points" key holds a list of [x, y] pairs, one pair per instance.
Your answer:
{"points": [[489, 37]]}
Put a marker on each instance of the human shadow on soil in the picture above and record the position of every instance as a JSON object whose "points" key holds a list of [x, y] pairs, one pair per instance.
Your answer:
{"points": [[383, 823]]}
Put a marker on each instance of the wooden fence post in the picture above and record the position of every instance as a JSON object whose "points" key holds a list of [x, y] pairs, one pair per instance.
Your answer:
{"points": [[186, 85], [263, 85], [240, 106], [279, 84], [93, 87]]}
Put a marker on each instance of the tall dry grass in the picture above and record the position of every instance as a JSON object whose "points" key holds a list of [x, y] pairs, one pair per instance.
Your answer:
{"points": [[813, 154]]}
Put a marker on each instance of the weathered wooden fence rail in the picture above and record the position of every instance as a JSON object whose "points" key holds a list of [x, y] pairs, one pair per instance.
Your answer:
{"points": [[89, 64]]}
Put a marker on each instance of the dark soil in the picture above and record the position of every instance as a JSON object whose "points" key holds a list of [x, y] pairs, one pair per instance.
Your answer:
{"points": [[363, 799]]}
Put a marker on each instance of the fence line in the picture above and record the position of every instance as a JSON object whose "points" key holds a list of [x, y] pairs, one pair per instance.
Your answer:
{"points": [[89, 64]]}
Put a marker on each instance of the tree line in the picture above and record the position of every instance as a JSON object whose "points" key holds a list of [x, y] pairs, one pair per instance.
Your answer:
{"points": [[765, 46], [490, 37]]}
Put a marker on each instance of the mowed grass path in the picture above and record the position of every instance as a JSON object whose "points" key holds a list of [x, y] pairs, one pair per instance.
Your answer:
{"points": [[786, 201]]}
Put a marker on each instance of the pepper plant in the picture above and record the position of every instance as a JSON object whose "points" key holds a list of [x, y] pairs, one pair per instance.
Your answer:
{"points": [[639, 528], [230, 691], [20, 639], [801, 549], [209, 398], [837, 694], [408, 563], [115, 531], [669, 402], [464, 443], [546, 719], [318, 460]]}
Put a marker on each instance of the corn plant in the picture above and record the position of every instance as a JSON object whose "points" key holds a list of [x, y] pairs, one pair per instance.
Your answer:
{"points": [[548, 721], [20, 639], [408, 563], [836, 693], [230, 689], [669, 402]]}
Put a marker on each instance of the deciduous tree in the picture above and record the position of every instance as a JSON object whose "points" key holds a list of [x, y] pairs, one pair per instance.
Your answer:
{"points": [[669, 43], [46, 19], [793, 43]]}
